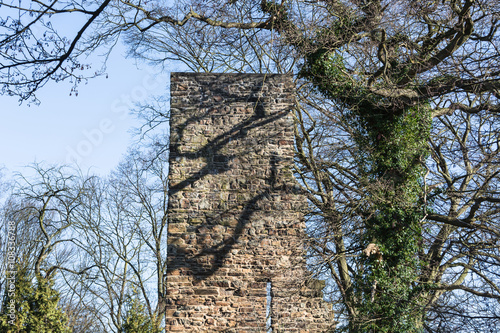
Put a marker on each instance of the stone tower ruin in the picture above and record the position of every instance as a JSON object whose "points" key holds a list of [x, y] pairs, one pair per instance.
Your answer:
{"points": [[236, 260]]}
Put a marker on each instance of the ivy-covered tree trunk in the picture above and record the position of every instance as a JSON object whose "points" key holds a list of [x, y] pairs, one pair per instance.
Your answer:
{"points": [[392, 145]]}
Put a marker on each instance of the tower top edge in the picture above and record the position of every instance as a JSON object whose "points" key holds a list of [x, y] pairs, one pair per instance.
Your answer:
{"points": [[177, 74]]}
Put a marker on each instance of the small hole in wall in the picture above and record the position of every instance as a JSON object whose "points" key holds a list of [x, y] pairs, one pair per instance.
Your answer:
{"points": [[259, 110], [269, 300]]}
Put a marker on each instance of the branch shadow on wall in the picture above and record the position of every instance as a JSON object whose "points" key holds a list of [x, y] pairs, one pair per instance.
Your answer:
{"points": [[205, 262]]}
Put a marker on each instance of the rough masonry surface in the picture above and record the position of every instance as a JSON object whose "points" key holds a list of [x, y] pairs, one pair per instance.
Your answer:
{"points": [[236, 224]]}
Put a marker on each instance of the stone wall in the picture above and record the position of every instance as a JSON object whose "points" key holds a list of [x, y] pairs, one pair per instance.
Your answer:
{"points": [[235, 212]]}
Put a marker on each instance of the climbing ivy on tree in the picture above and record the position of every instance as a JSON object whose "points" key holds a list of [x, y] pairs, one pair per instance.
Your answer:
{"points": [[392, 143]]}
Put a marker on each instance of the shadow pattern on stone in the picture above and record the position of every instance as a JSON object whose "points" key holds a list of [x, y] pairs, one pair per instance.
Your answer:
{"points": [[235, 210]]}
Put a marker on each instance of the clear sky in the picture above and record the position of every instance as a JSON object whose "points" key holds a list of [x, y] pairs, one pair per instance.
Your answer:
{"points": [[92, 129]]}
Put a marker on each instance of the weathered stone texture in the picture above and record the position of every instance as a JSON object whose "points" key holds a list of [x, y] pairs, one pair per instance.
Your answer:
{"points": [[235, 212]]}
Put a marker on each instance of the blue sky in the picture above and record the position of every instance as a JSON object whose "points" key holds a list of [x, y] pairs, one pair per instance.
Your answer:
{"points": [[92, 129]]}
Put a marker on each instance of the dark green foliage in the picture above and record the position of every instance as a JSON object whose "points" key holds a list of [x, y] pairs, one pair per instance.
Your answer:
{"points": [[22, 300], [37, 308], [392, 141], [279, 12], [137, 320]]}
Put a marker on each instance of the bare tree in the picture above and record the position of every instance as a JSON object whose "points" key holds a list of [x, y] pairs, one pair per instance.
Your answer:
{"points": [[38, 213], [41, 207], [102, 240], [122, 233]]}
